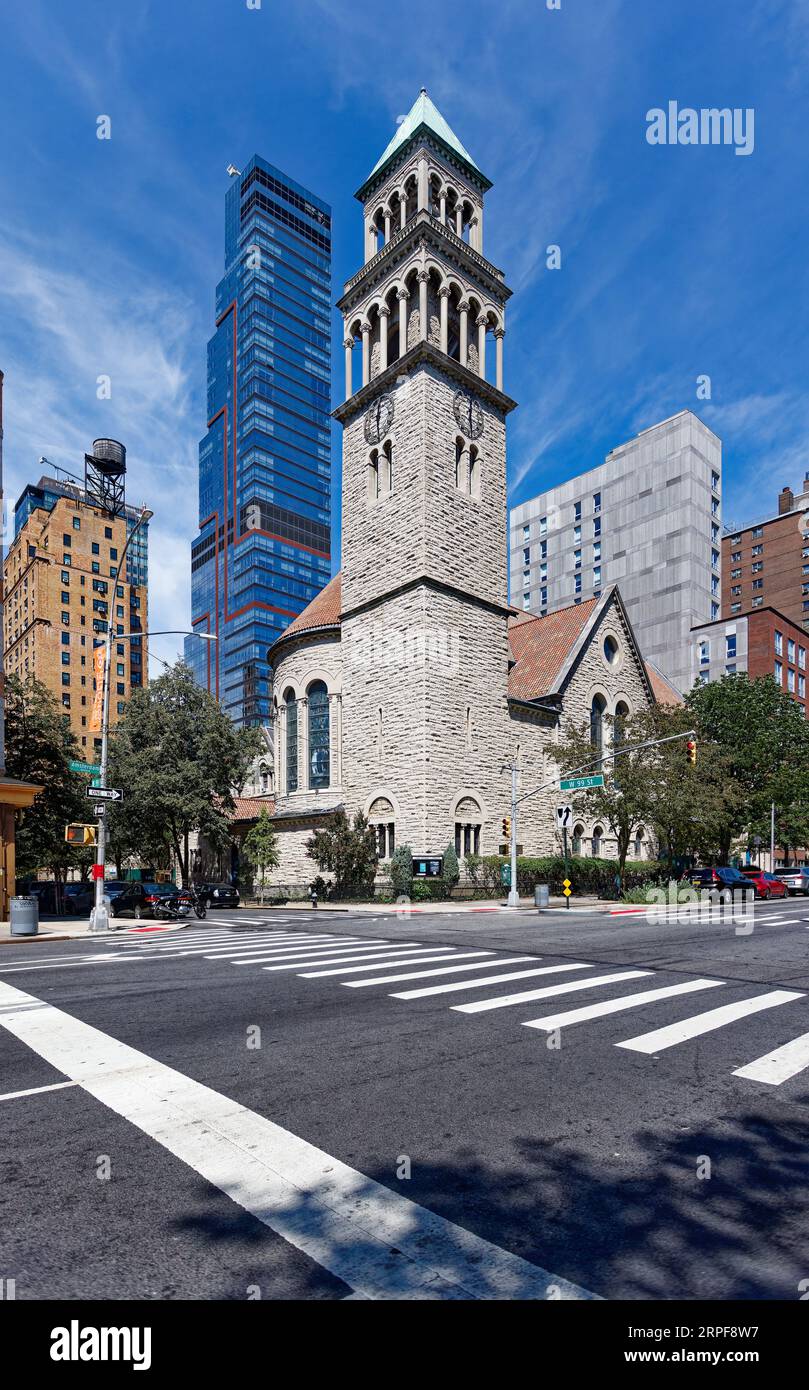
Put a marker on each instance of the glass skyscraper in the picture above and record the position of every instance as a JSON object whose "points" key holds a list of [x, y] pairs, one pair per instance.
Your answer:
{"points": [[264, 544]]}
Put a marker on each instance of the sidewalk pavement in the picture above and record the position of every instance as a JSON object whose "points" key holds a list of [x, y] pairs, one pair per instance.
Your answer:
{"points": [[60, 929]]}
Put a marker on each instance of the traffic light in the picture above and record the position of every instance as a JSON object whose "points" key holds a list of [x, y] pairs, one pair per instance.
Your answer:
{"points": [[80, 834], [506, 827], [691, 751]]}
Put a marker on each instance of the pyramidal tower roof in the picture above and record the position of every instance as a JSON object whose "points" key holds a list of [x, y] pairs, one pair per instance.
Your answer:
{"points": [[423, 114]]}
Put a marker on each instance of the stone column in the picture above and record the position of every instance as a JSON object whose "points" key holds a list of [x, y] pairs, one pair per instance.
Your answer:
{"points": [[481, 323], [370, 239], [387, 225], [366, 352], [443, 295], [499, 335], [443, 207], [480, 229], [473, 233], [348, 344], [459, 219], [464, 312], [423, 326], [383, 336], [402, 210], [422, 186], [403, 300]]}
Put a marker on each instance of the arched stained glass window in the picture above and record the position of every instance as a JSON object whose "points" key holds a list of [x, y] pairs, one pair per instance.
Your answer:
{"points": [[291, 706], [319, 760]]}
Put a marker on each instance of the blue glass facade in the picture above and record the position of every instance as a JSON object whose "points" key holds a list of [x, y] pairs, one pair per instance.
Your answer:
{"points": [[264, 545]]}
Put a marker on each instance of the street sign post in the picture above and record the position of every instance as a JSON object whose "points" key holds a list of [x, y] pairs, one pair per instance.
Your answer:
{"points": [[577, 784], [106, 793], [76, 766], [99, 809]]}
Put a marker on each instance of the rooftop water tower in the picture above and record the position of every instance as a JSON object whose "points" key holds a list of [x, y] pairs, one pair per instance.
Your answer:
{"points": [[105, 476]]}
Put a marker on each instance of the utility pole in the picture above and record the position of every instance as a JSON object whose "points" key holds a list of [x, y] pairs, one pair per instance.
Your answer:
{"points": [[772, 837]]}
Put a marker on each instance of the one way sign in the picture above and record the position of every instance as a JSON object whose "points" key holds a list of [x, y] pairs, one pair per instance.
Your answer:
{"points": [[105, 793], [563, 815]]}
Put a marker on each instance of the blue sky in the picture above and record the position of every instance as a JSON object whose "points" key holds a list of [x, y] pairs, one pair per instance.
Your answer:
{"points": [[676, 261]]}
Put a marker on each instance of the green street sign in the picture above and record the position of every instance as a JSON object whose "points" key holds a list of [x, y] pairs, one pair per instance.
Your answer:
{"points": [[85, 767], [577, 784]]}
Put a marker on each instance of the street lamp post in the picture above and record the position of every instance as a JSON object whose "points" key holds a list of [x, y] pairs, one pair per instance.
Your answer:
{"points": [[99, 917]]}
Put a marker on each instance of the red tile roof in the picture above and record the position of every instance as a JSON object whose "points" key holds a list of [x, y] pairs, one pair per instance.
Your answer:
{"points": [[250, 807], [323, 611], [664, 692], [540, 647]]}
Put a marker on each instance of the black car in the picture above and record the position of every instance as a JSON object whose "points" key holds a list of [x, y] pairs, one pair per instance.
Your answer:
{"points": [[77, 898], [145, 899], [218, 894], [721, 877]]}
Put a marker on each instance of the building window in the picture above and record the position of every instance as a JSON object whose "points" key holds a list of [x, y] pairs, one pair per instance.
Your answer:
{"points": [[543, 597], [526, 600], [380, 817], [577, 584], [778, 672], [468, 820], [714, 533], [730, 647], [715, 480], [756, 532], [543, 526], [596, 551], [714, 507], [758, 583], [757, 550], [802, 686], [704, 653], [757, 568], [108, 533], [730, 670], [65, 658], [578, 831], [715, 559], [319, 755], [715, 611], [577, 511], [736, 590], [597, 577], [779, 643], [65, 639], [791, 682], [735, 608], [802, 658], [577, 559], [596, 503], [95, 548], [576, 534], [543, 573], [639, 833], [597, 709], [291, 706], [735, 557], [735, 574], [597, 836], [526, 532], [543, 550], [526, 555], [65, 678], [790, 650], [596, 526]]}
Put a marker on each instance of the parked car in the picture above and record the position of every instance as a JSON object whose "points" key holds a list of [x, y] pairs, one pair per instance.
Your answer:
{"points": [[218, 894], [44, 890], [766, 885], [114, 887], [145, 899], [77, 898], [796, 880], [720, 877]]}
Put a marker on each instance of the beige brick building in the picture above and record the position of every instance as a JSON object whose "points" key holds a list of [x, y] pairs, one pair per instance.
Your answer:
{"points": [[62, 587], [408, 684]]}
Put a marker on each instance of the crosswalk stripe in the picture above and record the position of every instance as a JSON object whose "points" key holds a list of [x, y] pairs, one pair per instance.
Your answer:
{"points": [[405, 956], [698, 1024], [780, 1064], [195, 939], [425, 991], [504, 1001], [356, 969], [226, 946], [614, 1006], [444, 970], [336, 953]]}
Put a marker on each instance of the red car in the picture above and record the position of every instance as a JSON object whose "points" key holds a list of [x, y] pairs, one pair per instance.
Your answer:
{"points": [[766, 885]]}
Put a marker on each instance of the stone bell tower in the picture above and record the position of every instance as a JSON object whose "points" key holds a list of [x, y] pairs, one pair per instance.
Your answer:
{"points": [[424, 588]]}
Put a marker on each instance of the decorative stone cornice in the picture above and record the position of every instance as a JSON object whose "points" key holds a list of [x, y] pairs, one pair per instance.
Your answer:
{"points": [[446, 242], [423, 352]]}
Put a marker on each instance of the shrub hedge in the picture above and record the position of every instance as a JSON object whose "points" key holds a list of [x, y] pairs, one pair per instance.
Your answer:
{"points": [[591, 877]]}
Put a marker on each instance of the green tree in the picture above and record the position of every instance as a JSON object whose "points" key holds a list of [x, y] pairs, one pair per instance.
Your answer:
{"points": [[177, 757], [348, 850], [39, 747], [401, 871], [452, 869], [260, 846], [763, 735]]}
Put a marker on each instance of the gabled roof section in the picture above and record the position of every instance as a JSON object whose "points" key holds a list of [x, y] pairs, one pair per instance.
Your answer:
{"points": [[541, 648], [423, 116], [322, 612], [664, 692]]}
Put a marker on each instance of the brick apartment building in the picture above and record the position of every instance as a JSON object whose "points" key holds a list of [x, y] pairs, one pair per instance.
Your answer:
{"points": [[762, 642], [62, 587], [767, 564]]}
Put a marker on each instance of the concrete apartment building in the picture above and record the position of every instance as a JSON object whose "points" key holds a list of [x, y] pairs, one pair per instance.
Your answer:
{"points": [[767, 562], [649, 519], [763, 643], [62, 587]]}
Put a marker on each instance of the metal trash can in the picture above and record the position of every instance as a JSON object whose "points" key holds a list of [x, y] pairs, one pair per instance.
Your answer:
{"points": [[542, 895], [24, 916]]}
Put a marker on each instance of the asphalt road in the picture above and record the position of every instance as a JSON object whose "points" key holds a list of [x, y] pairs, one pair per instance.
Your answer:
{"points": [[373, 1139]]}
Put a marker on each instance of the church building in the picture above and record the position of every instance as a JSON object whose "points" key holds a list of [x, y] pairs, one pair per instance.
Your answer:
{"points": [[408, 686]]}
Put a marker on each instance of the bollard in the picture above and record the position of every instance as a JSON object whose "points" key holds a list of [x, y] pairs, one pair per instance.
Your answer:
{"points": [[24, 916]]}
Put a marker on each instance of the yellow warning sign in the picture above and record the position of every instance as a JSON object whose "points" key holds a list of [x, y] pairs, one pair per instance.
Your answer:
{"points": [[566, 887]]}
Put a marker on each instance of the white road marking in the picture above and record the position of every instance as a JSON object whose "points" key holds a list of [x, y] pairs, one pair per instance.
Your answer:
{"points": [[614, 1006], [378, 1242], [39, 1090], [358, 969], [444, 970], [290, 952], [427, 990], [695, 1026], [528, 996], [403, 955], [780, 1064]]}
